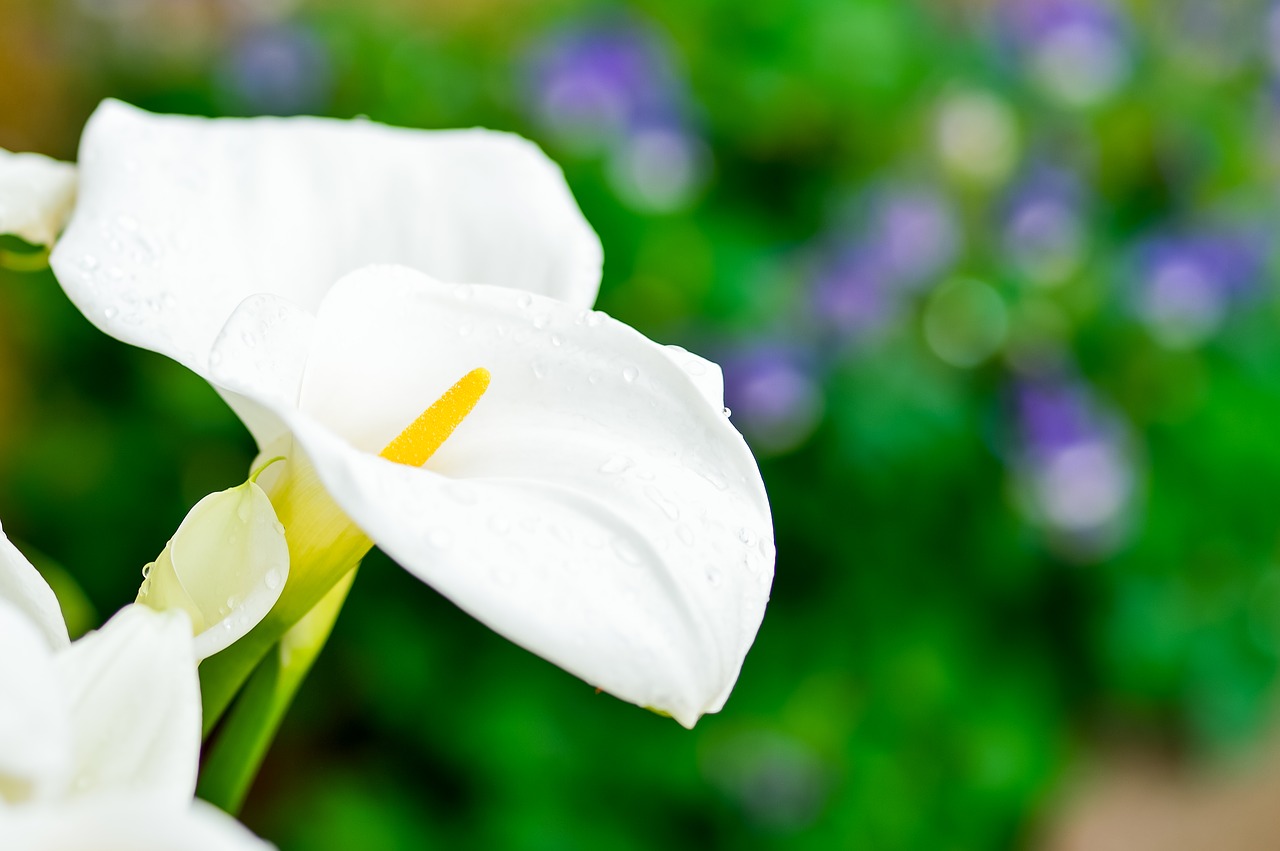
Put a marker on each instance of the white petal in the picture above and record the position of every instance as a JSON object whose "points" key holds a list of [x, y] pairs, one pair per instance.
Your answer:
{"points": [[114, 822], [596, 507], [23, 586], [35, 730], [225, 567], [273, 337], [135, 705], [180, 218], [705, 374], [36, 196]]}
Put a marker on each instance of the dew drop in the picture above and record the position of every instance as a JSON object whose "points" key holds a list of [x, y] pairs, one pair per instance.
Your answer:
{"points": [[616, 464], [231, 602], [717, 480], [110, 313], [713, 575], [525, 301], [555, 340], [146, 570], [272, 579], [462, 292], [630, 374], [728, 412], [747, 536], [540, 321], [685, 534], [88, 262], [695, 366], [594, 318], [668, 507]]}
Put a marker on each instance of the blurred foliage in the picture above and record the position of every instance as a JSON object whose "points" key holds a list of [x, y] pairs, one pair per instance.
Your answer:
{"points": [[993, 287]]}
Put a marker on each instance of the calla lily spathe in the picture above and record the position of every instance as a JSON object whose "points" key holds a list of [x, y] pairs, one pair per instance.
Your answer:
{"points": [[226, 566], [100, 738], [36, 196], [595, 505]]}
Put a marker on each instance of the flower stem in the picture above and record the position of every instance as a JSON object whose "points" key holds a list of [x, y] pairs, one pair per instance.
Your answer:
{"points": [[236, 753], [25, 261]]}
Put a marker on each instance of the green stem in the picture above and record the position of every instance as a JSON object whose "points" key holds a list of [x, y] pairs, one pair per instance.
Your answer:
{"points": [[232, 761], [324, 546], [25, 261]]}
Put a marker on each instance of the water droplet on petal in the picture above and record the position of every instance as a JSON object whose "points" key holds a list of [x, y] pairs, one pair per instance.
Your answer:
{"points": [[616, 464], [630, 374], [728, 412], [272, 579], [525, 301], [668, 507]]}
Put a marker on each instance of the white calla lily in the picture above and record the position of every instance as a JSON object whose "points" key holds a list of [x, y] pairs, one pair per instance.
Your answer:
{"points": [[594, 504], [36, 196], [225, 567], [100, 738], [23, 586], [179, 219]]}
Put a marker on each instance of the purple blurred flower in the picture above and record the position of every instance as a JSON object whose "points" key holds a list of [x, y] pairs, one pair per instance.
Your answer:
{"points": [[914, 234], [905, 238], [612, 87], [1077, 51], [1187, 284], [852, 293], [594, 84], [1272, 26], [1044, 232], [1075, 473], [276, 69], [774, 395]]}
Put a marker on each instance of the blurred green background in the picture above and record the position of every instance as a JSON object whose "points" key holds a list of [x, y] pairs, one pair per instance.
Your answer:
{"points": [[993, 287]]}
